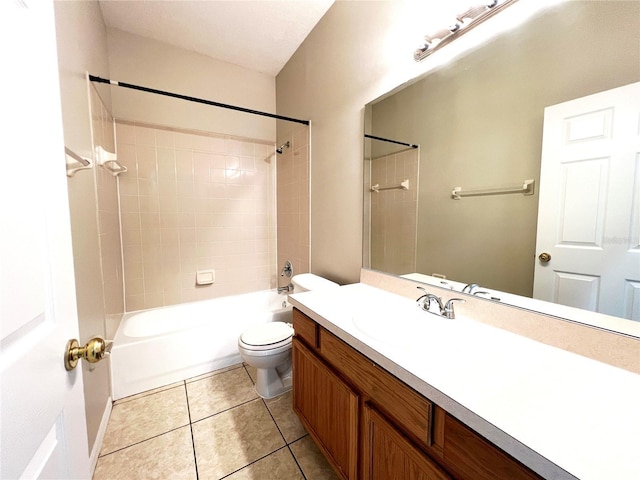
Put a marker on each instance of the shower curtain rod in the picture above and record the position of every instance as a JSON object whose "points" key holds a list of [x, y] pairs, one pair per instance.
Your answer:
{"points": [[390, 141], [93, 78]]}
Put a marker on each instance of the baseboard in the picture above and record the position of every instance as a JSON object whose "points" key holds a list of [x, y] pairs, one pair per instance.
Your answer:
{"points": [[97, 445]]}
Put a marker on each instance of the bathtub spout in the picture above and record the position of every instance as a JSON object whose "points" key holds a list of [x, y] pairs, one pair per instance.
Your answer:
{"points": [[287, 289]]}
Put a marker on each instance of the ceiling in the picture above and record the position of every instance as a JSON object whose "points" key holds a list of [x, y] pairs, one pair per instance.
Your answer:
{"points": [[260, 35]]}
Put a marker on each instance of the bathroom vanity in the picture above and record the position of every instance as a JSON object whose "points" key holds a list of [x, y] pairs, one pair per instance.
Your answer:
{"points": [[388, 391]]}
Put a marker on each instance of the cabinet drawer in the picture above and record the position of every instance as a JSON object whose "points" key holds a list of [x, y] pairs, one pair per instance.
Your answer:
{"points": [[410, 410], [305, 328]]}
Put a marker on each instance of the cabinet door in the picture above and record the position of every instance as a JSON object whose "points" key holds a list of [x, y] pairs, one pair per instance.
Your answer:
{"points": [[388, 455], [328, 409]]}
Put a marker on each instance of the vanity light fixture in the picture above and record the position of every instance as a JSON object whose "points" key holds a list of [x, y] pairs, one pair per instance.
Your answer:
{"points": [[464, 22]]}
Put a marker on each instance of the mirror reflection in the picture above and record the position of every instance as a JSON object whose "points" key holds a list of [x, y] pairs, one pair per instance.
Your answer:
{"points": [[479, 123]]}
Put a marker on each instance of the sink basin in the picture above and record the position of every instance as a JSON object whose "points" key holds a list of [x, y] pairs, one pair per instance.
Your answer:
{"points": [[391, 325]]}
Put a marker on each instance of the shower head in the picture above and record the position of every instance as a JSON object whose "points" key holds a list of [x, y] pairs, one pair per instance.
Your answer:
{"points": [[284, 145]]}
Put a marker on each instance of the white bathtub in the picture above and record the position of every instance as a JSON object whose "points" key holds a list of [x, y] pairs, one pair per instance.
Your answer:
{"points": [[156, 347]]}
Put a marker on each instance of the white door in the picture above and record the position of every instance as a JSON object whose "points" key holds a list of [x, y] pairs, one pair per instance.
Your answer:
{"points": [[589, 211], [42, 415]]}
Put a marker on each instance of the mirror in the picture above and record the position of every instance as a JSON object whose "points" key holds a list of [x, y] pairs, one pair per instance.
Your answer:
{"points": [[478, 122]]}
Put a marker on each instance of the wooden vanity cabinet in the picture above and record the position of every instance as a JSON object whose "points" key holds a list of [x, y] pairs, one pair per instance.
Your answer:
{"points": [[328, 409], [372, 426], [469, 455], [388, 455]]}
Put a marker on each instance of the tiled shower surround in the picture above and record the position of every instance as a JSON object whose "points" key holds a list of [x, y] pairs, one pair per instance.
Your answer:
{"points": [[107, 204], [194, 201], [394, 212], [293, 199]]}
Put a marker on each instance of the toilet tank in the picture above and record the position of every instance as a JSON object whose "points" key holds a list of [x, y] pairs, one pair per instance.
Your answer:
{"points": [[305, 282]]}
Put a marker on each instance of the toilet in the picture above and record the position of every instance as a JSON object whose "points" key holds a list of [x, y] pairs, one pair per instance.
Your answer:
{"points": [[267, 346]]}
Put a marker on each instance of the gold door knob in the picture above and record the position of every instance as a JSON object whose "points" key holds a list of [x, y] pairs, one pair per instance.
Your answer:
{"points": [[95, 350], [544, 257]]}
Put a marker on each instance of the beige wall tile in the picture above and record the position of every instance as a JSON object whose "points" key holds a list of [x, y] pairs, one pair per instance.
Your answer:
{"points": [[128, 185], [145, 136], [134, 302], [165, 138], [292, 199], [197, 199], [393, 213], [125, 134]]}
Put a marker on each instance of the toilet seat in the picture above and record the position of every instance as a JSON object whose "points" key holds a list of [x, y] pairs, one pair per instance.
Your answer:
{"points": [[267, 336]]}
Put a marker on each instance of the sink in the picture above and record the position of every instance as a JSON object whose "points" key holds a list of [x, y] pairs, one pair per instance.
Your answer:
{"points": [[391, 325], [404, 324]]}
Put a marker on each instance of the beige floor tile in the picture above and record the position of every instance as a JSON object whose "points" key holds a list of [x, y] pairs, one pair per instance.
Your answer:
{"points": [[287, 421], [279, 465], [215, 372], [169, 456], [233, 439], [148, 392], [220, 392], [313, 464], [252, 372], [145, 417]]}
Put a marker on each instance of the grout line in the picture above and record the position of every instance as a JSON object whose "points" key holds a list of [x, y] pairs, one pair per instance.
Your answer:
{"points": [[171, 386], [274, 421], [226, 410], [247, 370], [146, 439], [295, 459], [255, 461], [287, 444], [193, 441], [214, 373], [148, 393]]}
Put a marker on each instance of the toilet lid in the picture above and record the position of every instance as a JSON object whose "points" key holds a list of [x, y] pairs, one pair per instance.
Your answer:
{"points": [[267, 333]]}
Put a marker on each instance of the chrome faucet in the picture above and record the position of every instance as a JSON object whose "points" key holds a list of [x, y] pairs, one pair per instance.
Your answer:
{"points": [[448, 311], [470, 287], [446, 284], [286, 289], [287, 271], [445, 310], [482, 294]]}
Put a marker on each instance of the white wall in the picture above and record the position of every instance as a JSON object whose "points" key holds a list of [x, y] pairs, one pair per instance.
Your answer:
{"points": [[153, 64], [357, 52]]}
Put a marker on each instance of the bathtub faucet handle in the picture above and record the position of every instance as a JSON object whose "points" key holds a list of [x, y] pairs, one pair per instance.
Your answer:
{"points": [[287, 269]]}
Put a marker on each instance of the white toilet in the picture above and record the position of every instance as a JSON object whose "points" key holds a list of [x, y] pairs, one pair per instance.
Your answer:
{"points": [[267, 346]]}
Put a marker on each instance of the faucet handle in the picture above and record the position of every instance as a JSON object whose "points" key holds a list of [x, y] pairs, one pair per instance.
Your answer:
{"points": [[470, 287], [426, 301], [448, 311]]}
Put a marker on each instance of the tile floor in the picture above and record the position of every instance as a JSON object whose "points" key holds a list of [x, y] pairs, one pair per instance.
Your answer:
{"points": [[209, 427]]}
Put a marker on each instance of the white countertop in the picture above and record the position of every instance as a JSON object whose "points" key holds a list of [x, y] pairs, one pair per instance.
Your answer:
{"points": [[561, 414]]}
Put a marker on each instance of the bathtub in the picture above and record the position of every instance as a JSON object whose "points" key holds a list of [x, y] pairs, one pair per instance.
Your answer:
{"points": [[156, 347]]}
